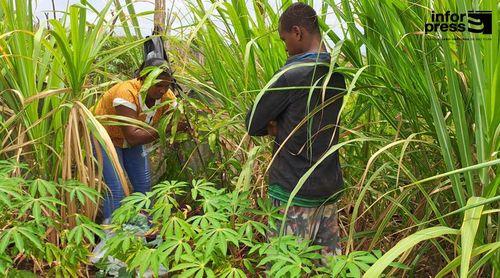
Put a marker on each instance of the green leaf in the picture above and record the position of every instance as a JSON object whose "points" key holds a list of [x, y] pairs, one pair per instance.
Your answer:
{"points": [[406, 244], [5, 240], [338, 267], [284, 270], [468, 233], [477, 251], [353, 269], [212, 141], [29, 233], [18, 240]]}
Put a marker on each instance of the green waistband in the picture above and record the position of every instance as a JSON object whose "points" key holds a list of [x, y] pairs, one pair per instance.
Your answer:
{"points": [[278, 192]]}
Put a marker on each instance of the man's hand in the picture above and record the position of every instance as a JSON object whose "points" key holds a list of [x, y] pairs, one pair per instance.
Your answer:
{"points": [[272, 128]]}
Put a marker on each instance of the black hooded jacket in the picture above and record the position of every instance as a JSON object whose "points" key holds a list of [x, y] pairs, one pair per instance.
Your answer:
{"points": [[289, 106]]}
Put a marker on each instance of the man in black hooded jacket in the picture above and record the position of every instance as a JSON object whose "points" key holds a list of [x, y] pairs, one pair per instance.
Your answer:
{"points": [[296, 97]]}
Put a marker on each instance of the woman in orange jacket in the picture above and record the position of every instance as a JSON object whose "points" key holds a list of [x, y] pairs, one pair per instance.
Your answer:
{"points": [[124, 99]]}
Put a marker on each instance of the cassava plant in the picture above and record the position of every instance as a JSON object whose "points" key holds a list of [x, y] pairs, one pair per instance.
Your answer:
{"points": [[46, 98], [30, 214]]}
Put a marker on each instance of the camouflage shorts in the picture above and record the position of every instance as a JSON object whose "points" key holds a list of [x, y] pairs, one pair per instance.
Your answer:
{"points": [[319, 224]]}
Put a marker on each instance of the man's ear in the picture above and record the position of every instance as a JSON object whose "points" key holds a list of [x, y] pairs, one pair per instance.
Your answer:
{"points": [[297, 32]]}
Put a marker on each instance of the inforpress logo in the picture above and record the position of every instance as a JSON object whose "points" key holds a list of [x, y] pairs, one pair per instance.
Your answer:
{"points": [[472, 21]]}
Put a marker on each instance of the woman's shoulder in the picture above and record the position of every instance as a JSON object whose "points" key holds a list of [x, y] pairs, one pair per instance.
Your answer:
{"points": [[133, 85], [127, 87]]}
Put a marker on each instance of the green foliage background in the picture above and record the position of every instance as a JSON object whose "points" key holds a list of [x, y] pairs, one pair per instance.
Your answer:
{"points": [[419, 141]]}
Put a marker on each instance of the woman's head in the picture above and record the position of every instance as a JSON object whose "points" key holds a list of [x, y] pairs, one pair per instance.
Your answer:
{"points": [[163, 81], [160, 87]]}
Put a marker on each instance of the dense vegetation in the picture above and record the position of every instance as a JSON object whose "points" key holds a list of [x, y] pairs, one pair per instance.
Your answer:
{"points": [[419, 144]]}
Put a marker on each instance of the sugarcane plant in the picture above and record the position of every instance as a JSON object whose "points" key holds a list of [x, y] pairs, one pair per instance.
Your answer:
{"points": [[419, 124], [46, 97]]}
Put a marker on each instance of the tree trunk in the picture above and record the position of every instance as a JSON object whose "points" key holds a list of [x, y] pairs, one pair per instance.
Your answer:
{"points": [[159, 17]]}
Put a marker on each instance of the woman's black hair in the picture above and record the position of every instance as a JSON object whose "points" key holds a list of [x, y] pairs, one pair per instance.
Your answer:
{"points": [[154, 62], [156, 56], [166, 73]]}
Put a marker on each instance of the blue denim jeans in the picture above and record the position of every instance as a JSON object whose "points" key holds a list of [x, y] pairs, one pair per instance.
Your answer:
{"points": [[135, 163]]}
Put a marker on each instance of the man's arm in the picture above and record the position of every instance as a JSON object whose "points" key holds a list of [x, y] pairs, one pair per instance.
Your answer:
{"points": [[269, 107]]}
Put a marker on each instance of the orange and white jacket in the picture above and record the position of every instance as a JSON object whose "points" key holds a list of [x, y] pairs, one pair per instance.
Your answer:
{"points": [[127, 93]]}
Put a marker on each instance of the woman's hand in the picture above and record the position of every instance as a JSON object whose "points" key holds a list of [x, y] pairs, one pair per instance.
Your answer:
{"points": [[183, 126]]}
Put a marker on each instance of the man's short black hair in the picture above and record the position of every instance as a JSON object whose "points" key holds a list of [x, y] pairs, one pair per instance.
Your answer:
{"points": [[302, 15]]}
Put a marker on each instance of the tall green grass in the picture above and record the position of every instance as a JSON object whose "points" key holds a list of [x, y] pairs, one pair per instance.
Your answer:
{"points": [[422, 107], [46, 96], [419, 131]]}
